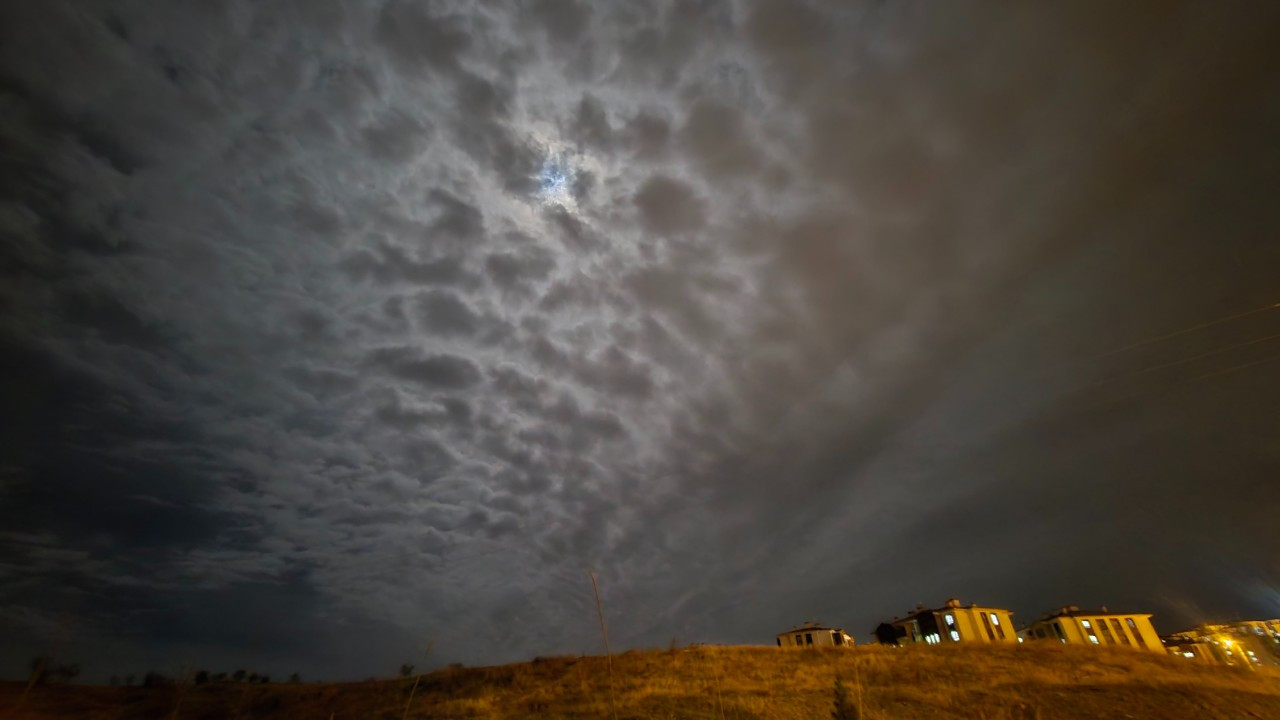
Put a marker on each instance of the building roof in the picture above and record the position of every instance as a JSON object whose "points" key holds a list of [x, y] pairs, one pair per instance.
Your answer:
{"points": [[952, 604], [809, 628], [1074, 611]]}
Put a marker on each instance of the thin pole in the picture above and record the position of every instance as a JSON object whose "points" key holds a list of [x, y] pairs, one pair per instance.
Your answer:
{"points": [[604, 632]]}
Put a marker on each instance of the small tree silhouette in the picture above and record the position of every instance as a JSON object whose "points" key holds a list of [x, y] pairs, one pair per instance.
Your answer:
{"points": [[844, 709], [39, 669], [155, 679], [887, 634]]}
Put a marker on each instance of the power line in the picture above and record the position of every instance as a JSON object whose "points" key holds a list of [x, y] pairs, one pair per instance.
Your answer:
{"points": [[1182, 361], [1184, 331], [1234, 368], [1197, 378]]}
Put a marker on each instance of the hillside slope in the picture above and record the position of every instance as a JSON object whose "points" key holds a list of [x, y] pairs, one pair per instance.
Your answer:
{"points": [[1040, 682]]}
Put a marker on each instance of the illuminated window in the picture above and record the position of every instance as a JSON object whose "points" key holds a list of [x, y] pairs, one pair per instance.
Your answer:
{"points": [[987, 624], [1088, 630], [951, 619], [955, 636], [995, 620]]}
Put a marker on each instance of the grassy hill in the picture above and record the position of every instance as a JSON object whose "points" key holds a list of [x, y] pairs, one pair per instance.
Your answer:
{"points": [[725, 683]]}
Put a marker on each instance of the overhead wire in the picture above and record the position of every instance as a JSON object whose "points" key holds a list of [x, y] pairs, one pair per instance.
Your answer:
{"points": [[1178, 333], [1182, 361], [1179, 361]]}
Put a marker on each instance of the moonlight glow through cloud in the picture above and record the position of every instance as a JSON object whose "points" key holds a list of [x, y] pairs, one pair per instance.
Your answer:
{"points": [[555, 181]]}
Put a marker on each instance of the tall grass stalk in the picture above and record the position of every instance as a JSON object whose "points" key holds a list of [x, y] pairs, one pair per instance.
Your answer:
{"points": [[604, 632], [857, 682], [409, 703]]}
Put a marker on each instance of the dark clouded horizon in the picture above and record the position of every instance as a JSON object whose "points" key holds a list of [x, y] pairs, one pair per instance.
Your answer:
{"points": [[338, 328]]}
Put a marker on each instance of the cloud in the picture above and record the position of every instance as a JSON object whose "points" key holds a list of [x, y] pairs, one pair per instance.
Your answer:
{"points": [[417, 40], [440, 371], [395, 318], [668, 206]]}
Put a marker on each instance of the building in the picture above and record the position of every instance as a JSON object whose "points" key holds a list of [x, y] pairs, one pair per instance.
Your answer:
{"points": [[1251, 643], [1191, 649], [1095, 627], [952, 622], [814, 635]]}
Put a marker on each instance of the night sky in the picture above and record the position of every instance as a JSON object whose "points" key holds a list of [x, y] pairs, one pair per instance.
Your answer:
{"points": [[333, 329]]}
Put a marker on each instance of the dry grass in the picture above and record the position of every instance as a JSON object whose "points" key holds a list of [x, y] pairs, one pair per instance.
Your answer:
{"points": [[727, 683]]}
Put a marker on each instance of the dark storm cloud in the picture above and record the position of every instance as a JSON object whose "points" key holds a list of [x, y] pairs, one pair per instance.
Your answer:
{"points": [[668, 206], [418, 40], [441, 371], [714, 134], [396, 136], [563, 20], [326, 325], [389, 263]]}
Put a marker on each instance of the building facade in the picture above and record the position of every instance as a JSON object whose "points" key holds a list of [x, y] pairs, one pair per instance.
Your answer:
{"points": [[1247, 643], [950, 623], [813, 635], [1095, 627]]}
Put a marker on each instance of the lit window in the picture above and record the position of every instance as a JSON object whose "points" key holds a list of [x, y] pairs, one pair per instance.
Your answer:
{"points": [[986, 624], [995, 620], [1187, 654], [955, 636], [1086, 624], [951, 620]]}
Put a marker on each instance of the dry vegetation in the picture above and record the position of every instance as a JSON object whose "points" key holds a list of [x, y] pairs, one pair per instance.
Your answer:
{"points": [[724, 683]]}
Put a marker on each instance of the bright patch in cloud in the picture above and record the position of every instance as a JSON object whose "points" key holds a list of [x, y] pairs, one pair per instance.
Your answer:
{"points": [[556, 181]]}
